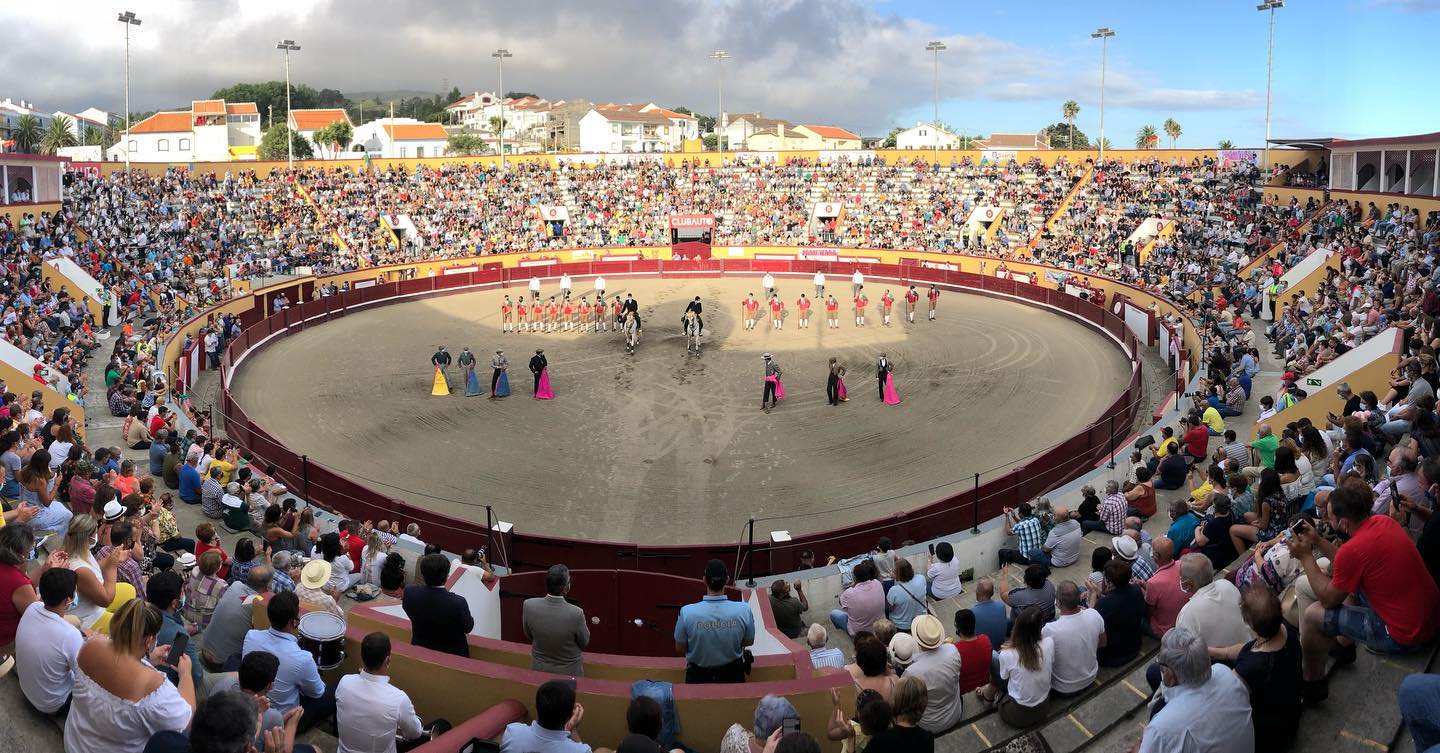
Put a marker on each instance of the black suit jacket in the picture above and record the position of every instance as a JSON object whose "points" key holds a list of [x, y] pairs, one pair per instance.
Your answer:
{"points": [[696, 307], [537, 363], [439, 620], [632, 305]]}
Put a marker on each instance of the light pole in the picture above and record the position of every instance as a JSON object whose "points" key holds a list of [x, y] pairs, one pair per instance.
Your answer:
{"points": [[129, 19], [500, 56], [1103, 34], [936, 47], [1269, 5], [287, 46], [720, 56]]}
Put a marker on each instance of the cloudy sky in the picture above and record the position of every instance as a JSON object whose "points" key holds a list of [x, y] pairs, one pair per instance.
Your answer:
{"points": [[1343, 67]]}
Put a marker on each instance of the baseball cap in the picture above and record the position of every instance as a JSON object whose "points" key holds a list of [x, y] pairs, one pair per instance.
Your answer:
{"points": [[1288, 376], [715, 569]]}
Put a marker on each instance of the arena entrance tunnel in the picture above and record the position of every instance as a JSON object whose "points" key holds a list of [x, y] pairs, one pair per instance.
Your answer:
{"points": [[957, 511]]}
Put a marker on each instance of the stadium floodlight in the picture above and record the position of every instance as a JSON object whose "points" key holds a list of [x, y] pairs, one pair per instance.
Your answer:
{"points": [[128, 19], [288, 46], [936, 47], [720, 56], [1103, 34], [1271, 6], [500, 56]]}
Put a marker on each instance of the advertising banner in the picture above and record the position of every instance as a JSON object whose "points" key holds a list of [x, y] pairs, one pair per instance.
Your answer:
{"points": [[692, 221]]}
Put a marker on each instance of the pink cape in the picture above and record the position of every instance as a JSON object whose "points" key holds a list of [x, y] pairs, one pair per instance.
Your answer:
{"points": [[891, 397], [779, 386], [542, 392], [843, 393]]}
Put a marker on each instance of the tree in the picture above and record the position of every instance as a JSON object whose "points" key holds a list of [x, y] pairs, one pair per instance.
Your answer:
{"points": [[497, 124], [712, 141], [272, 144], [57, 136], [93, 135], [329, 98], [1145, 138], [890, 142], [1105, 143], [1226, 144], [1172, 129], [1069, 110], [519, 95], [112, 135], [465, 144], [269, 94], [27, 133], [966, 142], [1067, 134], [705, 122], [336, 136]]}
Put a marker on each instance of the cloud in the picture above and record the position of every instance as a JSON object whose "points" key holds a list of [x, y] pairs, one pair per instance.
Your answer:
{"points": [[1409, 6], [848, 62]]}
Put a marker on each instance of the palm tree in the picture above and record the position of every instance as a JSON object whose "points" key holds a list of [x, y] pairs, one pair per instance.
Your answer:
{"points": [[57, 136], [27, 133], [1226, 144], [1070, 109], [111, 135], [1105, 142], [1145, 137], [1172, 129], [497, 124], [92, 136]]}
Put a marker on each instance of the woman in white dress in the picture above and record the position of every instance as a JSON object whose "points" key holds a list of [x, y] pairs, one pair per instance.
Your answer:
{"points": [[119, 699]]}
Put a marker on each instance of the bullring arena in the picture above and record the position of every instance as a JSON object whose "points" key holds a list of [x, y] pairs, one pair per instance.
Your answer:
{"points": [[663, 446], [224, 432]]}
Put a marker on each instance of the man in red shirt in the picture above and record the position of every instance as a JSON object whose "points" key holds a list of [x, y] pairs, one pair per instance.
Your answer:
{"points": [[748, 307], [777, 312], [832, 312], [353, 539], [933, 296], [1197, 442], [161, 420], [1378, 593], [912, 298]]}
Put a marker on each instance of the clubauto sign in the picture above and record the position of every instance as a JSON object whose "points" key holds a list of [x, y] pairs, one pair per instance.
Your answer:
{"points": [[692, 221]]}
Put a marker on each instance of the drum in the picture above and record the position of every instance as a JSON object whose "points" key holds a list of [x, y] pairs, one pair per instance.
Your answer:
{"points": [[323, 635]]}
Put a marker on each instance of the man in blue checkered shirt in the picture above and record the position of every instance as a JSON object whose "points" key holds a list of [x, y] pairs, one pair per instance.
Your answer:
{"points": [[1022, 524]]}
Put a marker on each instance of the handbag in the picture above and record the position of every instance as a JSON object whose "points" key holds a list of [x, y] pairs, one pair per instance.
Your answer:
{"points": [[915, 598]]}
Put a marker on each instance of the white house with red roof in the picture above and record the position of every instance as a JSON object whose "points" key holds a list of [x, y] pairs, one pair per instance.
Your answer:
{"points": [[388, 138], [648, 127], [307, 122], [212, 130], [469, 110]]}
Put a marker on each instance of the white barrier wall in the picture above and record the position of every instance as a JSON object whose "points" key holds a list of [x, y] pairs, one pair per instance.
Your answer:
{"points": [[25, 364]]}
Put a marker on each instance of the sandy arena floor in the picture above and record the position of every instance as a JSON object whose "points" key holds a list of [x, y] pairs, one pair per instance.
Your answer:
{"points": [[662, 446]]}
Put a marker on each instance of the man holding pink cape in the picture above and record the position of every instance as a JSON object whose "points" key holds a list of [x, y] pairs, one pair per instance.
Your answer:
{"points": [[883, 375], [538, 365], [774, 390]]}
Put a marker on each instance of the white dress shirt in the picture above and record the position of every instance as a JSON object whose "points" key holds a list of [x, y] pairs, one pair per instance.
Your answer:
{"points": [[369, 711], [45, 650]]}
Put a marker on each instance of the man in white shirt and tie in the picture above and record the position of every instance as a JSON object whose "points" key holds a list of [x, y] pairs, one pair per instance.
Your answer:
{"points": [[372, 715], [819, 286], [534, 288], [856, 281], [600, 287], [564, 286]]}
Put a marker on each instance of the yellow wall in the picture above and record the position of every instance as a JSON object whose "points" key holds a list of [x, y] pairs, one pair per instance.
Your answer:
{"points": [[22, 384], [1374, 376], [1421, 204], [14, 212]]}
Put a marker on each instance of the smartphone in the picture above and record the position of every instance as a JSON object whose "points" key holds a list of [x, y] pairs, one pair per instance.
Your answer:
{"points": [[177, 649], [1299, 526], [790, 724], [1394, 495], [931, 547]]}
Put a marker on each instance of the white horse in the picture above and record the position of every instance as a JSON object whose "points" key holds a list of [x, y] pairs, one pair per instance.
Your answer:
{"points": [[692, 333], [631, 325]]}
